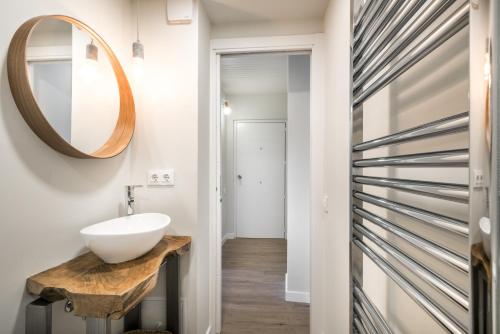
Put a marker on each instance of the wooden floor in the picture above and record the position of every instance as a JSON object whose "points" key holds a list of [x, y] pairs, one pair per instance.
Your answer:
{"points": [[253, 290]]}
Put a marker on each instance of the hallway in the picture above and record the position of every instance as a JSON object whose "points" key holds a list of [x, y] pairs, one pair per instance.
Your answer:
{"points": [[253, 289]]}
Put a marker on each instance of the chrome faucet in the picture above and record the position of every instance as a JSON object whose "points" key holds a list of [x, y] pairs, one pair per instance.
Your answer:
{"points": [[131, 199]]}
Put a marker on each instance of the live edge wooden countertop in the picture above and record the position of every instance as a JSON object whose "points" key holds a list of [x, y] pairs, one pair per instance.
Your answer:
{"points": [[98, 289]]}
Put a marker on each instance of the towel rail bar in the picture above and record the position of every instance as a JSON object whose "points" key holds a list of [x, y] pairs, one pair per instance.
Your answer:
{"points": [[435, 280], [359, 326], [443, 317], [439, 252], [449, 28], [448, 125], [371, 309], [378, 25], [368, 63], [369, 315], [371, 14], [447, 223], [450, 158], [365, 320], [448, 191], [361, 17]]}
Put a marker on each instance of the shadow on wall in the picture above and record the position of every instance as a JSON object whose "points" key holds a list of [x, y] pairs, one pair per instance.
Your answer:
{"points": [[434, 88], [452, 55], [39, 157]]}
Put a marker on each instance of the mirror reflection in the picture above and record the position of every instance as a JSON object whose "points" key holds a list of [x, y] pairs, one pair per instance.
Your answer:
{"points": [[74, 83]]}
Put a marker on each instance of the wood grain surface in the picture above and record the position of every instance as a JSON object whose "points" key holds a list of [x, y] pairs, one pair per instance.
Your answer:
{"points": [[253, 290], [98, 289], [20, 87]]}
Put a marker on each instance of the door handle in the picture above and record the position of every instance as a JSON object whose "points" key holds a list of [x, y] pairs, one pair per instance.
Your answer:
{"points": [[239, 177]]}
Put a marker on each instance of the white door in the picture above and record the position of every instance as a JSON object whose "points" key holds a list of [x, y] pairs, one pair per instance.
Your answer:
{"points": [[260, 179]]}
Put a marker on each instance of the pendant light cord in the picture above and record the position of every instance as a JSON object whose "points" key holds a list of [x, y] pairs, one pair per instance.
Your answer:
{"points": [[137, 18]]}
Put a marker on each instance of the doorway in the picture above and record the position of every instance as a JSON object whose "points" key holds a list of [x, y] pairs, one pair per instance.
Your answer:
{"points": [[263, 270], [260, 167], [311, 185]]}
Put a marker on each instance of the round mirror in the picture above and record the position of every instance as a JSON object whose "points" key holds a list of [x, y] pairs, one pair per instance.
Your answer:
{"points": [[70, 87]]}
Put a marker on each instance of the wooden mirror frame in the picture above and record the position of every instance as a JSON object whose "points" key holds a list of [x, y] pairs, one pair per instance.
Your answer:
{"points": [[30, 110]]}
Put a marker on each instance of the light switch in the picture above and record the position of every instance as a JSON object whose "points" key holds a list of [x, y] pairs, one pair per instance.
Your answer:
{"points": [[161, 177]]}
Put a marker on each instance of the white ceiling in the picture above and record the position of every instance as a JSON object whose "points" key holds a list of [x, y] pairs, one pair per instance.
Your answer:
{"points": [[231, 11], [254, 74]]}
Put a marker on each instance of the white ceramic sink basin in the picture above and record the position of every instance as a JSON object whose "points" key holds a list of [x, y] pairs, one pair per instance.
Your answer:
{"points": [[125, 238]]}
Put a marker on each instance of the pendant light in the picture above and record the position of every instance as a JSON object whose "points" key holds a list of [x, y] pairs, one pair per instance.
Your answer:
{"points": [[137, 47], [227, 108], [89, 69], [92, 52]]}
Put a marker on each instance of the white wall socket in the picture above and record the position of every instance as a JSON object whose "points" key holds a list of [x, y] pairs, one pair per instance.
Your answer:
{"points": [[161, 177], [478, 178]]}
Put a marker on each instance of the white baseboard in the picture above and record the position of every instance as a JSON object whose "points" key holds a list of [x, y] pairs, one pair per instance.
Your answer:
{"points": [[296, 296], [227, 236]]}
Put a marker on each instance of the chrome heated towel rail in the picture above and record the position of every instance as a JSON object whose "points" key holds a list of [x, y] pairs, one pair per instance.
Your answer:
{"points": [[388, 38]]}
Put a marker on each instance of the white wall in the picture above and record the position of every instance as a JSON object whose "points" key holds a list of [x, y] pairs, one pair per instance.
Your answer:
{"points": [[206, 260], [47, 197], [336, 234], [171, 124], [266, 28], [82, 192], [244, 107], [298, 179]]}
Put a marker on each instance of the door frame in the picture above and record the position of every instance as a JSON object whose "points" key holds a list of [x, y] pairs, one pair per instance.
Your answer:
{"points": [[315, 45], [235, 182]]}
